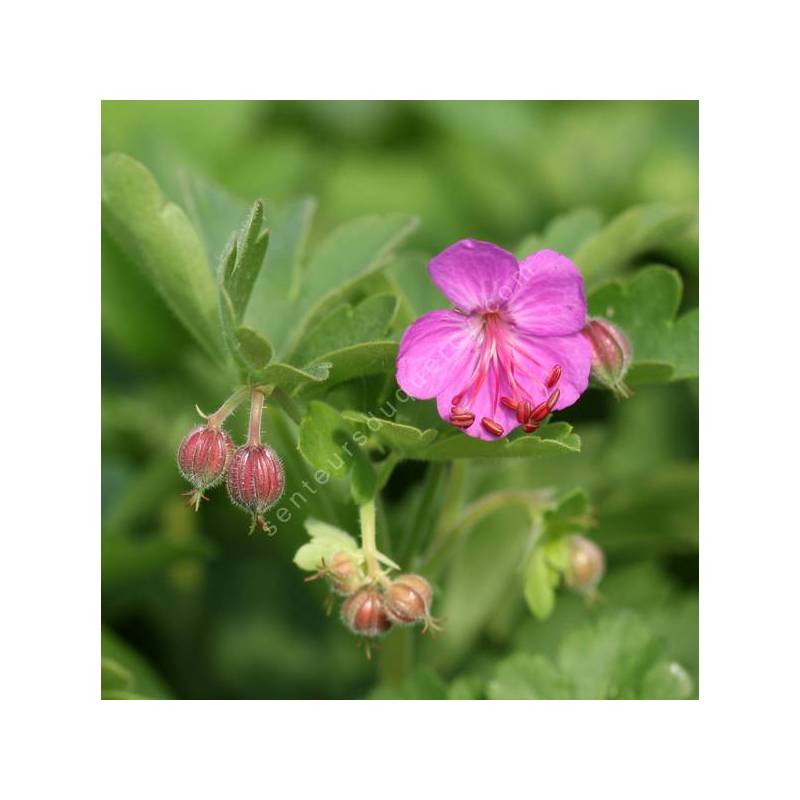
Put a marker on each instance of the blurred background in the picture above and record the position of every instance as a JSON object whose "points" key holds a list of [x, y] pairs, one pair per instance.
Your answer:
{"points": [[197, 608]]}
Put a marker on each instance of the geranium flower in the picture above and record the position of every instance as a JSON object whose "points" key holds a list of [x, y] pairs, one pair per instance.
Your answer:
{"points": [[510, 351]]}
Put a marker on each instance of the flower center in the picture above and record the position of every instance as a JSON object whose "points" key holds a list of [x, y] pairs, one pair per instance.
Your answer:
{"points": [[496, 362]]}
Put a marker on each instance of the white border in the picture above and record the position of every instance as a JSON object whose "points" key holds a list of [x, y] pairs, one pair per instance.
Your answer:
{"points": [[60, 59]]}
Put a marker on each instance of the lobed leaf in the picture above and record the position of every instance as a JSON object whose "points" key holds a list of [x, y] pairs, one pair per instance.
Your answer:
{"points": [[631, 234], [644, 306], [554, 438], [157, 236]]}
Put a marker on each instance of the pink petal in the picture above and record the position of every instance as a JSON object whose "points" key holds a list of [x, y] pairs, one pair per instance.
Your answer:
{"points": [[475, 275], [433, 350], [535, 357], [549, 300]]}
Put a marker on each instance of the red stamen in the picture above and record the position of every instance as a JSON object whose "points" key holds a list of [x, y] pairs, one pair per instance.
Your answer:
{"points": [[530, 427], [456, 400], [524, 411], [540, 412], [553, 399], [493, 427], [509, 403], [463, 420], [552, 378]]}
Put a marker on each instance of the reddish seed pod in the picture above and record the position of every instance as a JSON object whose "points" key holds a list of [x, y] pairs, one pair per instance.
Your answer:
{"points": [[492, 426], [344, 573], [611, 355], [204, 456], [203, 459], [587, 565], [365, 612], [255, 479], [408, 601]]}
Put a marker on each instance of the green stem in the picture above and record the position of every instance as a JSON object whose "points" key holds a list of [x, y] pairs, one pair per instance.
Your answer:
{"points": [[422, 521], [534, 502], [256, 407], [216, 419], [397, 656], [369, 545]]}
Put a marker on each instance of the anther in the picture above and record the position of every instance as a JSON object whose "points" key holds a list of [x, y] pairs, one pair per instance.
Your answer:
{"points": [[509, 403], [553, 399], [530, 427], [552, 378], [456, 400], [493, 427], [462, 420], [524, 411], [540, 412]]}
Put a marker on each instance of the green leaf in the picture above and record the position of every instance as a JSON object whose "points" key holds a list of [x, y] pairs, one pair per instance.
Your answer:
{"points": [[270, 311], [540, 584], [363, 479], [565, 233], [424, 684], [528, 677], [405, 438], [644, 307], [323, 436], [125, 674], [467, 687], [326, 541], [128, 559], [369, 358], [667, 681], [609, 658], [551, 439], [348, 325], [632, 234], [289, 377], [241, 263], [253, 348], [351, 252], [157, 236]]}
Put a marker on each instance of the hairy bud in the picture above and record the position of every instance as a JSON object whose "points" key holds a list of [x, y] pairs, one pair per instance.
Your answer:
{"points": [[587, 565], [203, 459], [364, 612], [408, 601], [343, 573], [611, 355], [255, 480]]}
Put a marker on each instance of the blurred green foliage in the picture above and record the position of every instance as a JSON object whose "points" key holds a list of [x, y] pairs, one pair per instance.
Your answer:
{"points": [[194, 608]]}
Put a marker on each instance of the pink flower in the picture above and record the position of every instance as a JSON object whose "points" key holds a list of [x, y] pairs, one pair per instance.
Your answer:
{"points": [[511, 349]]}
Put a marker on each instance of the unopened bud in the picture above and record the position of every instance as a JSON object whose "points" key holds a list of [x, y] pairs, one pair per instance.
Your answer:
{"points": [[344, 573], [586, 567], [203, 459], [408, 601], [255, 480], [365, 612], [611, 355]]}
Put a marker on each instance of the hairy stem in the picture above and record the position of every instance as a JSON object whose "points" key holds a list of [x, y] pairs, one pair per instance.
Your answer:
{"points": [[256, 407], [368, 544], [216, 419], [534, 501]]}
